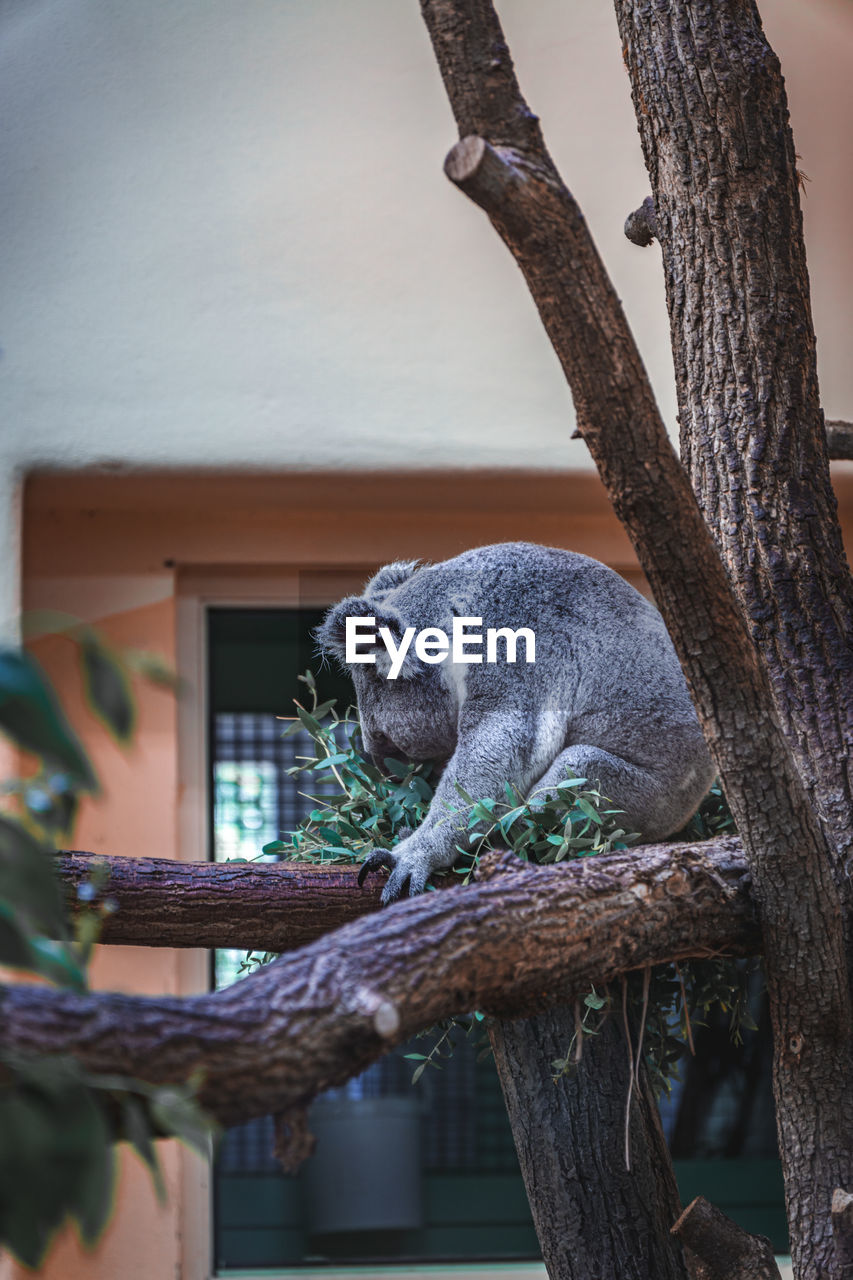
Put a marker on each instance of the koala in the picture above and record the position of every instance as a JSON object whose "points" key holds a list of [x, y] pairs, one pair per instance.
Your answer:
{"points": [[604, 698]]}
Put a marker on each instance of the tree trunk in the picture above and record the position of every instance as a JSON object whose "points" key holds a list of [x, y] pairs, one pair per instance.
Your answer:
{"points": [[713, 118], [595, 1218]]}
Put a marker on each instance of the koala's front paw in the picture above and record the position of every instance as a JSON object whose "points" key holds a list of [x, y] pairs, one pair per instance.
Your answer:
{"points": [[404, 867]]}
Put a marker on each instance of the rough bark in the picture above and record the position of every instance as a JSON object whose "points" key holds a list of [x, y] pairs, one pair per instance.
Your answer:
{"points": [[842, 1227], [503, 165], [261, 906], [839, 438], [722, 1250], [713, 119], [281, 906], [594, 1217], [522, 939]]}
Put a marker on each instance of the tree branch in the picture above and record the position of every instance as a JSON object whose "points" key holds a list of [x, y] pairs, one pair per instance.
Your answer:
{"points": [[261, 906], [641, 226], [280, 906], [842, 1230], [522, 938], [839, 439], [723, 1249]]}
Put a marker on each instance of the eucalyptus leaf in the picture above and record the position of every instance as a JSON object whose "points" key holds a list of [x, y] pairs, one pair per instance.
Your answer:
{"points": [[137, 1131], [31, 715], [27, 879], [177, 1113], [107, 687]]}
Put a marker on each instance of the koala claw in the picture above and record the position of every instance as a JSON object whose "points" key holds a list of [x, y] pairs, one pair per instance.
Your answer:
{"points": [[379, 858], [404, 871]]}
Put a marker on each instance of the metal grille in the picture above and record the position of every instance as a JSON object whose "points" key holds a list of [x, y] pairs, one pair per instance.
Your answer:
{"points": [[256, 812], [464, 1124]]}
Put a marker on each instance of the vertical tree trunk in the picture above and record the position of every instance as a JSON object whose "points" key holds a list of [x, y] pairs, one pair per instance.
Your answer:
{"points": [[713, 118], [595, 1219]]}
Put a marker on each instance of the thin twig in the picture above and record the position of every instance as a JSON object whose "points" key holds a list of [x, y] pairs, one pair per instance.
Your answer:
{"points": [[687, 1023], [630, 1074], [647, 973], [578, 1032]]}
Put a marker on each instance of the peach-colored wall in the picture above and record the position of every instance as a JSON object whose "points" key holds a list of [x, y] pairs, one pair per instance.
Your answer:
{"points": [[119, 552]]}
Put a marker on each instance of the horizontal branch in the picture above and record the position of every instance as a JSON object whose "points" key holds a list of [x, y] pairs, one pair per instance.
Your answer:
{"points": [[839, 438], [518, 940], [259, 906]]}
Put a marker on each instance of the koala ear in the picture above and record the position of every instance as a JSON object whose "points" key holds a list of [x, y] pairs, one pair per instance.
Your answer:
{"points": [[331, 633], [389, 577], [390, 618]]}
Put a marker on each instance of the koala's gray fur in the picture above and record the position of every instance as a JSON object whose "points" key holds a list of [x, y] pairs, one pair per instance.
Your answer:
{"points": [[605, 697]]}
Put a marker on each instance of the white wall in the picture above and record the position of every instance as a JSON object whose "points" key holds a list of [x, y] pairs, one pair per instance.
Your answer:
{"points": [[225, 236]]}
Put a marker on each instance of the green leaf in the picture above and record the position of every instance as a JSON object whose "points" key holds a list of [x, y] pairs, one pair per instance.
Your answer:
{"points": [[177, 1113], [481, 812], [27, 879], [14, 943], [397, 768], [349, 830], [154, 668], [275, 846], [324, 708], [592, 813], [107, 687], [85, 1134], [31, 715], [138, 1133], [314, 728], [55, 1156], [56, 961], [422, 788]]}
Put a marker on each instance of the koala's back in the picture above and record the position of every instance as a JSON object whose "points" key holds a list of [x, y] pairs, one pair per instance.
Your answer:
{"points": [[604, 659], [564, 596]]}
